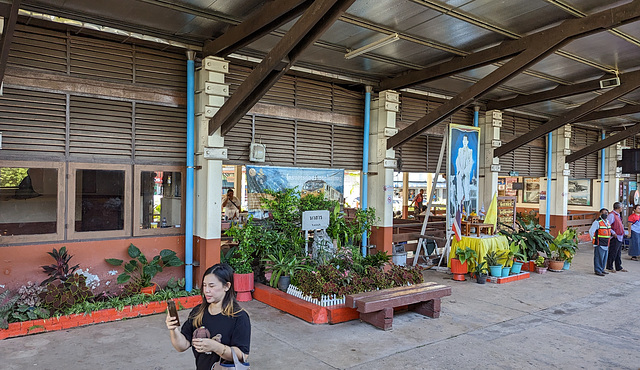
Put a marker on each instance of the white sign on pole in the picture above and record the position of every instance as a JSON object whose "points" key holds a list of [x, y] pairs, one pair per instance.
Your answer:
{"points": [[313, 220]]}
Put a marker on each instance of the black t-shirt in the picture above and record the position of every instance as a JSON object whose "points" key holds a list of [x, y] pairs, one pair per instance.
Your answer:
{"points": [[235, 331]]}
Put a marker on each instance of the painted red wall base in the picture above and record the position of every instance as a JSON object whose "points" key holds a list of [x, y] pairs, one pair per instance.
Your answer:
{"points": [[207, 253], [20, 264], [558, 223], [382, 238]]}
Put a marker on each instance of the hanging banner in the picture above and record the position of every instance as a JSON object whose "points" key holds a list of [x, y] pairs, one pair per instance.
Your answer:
{"points": [[462, 174], [329, 182]]}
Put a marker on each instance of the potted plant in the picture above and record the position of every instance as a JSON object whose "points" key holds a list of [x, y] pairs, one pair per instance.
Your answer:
{"points": [[459, 263], [283, 266], [563, 249], [514, 251], [481, 272], [495, 267], [530, 236], [248, 237], [139, 271], [540, 268]]}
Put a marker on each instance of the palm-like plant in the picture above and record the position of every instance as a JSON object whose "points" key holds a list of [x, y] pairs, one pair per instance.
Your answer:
{"points": [[530, 237], [283, 264], [492, 258], [60, 269]]}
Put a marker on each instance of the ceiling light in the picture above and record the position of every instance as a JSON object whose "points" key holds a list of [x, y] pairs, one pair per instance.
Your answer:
{"points": [[372, 46]]}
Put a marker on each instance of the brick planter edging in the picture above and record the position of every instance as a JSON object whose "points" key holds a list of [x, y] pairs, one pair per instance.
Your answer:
{"points": [[302, 309], [17, 329]]}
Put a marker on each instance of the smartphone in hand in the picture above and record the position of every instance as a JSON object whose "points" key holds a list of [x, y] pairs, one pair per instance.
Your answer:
{"points": [[173, 312]]}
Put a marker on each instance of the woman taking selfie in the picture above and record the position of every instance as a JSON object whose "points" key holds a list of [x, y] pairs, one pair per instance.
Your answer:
{"points": [[227, 325]]}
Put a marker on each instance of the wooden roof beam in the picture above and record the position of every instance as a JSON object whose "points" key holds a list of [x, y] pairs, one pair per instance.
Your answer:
{"points": [[630, 82], [560, 91], [314, 22], [608, 113], [7, 36], [611, 140], [571, 28], [266, 19]]}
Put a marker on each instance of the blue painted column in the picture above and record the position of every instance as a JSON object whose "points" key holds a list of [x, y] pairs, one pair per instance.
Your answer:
{"points": [[365, 160], [602, 173], [188, 227], [547, 216], [476, 114]]}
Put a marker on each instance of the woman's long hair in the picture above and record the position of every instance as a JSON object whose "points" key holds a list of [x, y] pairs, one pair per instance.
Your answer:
{"points": [[230, 306]]}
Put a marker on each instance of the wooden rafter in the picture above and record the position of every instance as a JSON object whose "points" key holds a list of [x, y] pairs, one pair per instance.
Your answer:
{"points": [[7, 34], [313, 22], [611, 140], [538, 45], [630, 82], [571, 28], [266, 19], [608, 113], [560, 91]]}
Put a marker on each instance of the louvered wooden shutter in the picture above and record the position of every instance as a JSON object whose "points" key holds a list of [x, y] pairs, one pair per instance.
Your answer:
{"points": [[347, 147], [159, 68], [348, 102], [32, 123], [100, 128], [238, 140], [281, 93], [313, 144], [102, 59], [434, 144], [161, 134], [413, 155], [279, 137], [38, 48], [587, 166]]}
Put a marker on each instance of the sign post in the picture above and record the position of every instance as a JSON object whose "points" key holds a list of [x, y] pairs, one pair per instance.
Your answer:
{"points": [[313, 220]]}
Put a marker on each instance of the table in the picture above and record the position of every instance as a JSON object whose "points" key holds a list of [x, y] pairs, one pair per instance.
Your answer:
{"points": [[480, 226], [482, 245]]}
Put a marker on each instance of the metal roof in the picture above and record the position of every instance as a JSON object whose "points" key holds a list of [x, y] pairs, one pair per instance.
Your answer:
{"points": [[430, 31]]}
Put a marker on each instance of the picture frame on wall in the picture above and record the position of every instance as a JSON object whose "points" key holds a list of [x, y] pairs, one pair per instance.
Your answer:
{"points": [[580, 192], [531, 193]]}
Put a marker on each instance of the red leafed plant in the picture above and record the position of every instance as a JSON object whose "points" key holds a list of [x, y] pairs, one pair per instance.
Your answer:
{"points": [[59, 270]]}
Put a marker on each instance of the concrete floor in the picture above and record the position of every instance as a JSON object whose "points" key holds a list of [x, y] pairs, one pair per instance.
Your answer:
{"points": [[567, 320]]}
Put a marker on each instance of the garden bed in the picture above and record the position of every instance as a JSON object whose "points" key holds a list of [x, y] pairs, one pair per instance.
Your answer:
{"points": [[106, 315], [304, 310]]}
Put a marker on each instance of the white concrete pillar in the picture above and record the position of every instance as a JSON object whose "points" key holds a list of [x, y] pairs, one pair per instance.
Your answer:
{"points": [[381, 165], [211, 92], [489, 167], [559, 181], [612, 176]]}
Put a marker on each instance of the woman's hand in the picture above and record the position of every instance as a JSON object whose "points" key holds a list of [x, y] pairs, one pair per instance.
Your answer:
{"points": [[172, 322], [204, 345]]}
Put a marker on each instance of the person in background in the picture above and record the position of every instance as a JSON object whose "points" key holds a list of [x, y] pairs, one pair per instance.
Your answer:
{"points": [[634, 230], [228, 325], [600, 233], [615, 245], [417, 202], [231, 205]]}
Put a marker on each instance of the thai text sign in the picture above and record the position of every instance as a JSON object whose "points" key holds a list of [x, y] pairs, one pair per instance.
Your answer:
{"points": [[313, 220]]}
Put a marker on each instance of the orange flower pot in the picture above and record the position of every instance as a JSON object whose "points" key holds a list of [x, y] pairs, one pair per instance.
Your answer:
{"points": [[458, 269], [149, 289], [243, 285]]}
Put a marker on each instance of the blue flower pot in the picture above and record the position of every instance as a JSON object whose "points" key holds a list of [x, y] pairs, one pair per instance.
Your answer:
{"points": [[505, 271], [566, 265], [516, 268], [495, 271]]}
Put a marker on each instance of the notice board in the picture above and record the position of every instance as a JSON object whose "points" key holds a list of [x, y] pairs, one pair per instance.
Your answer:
{"points": [[506, 212]]}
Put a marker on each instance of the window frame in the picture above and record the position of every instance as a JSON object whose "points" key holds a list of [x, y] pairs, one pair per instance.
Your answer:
{"points": [[137, 183], [72, 234], [60, 204]]}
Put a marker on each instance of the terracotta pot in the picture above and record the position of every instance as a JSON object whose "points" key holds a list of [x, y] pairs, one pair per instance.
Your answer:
{"points": [[458, 269], [149, 289], [541, 270], [556, 266], [243, 285]]}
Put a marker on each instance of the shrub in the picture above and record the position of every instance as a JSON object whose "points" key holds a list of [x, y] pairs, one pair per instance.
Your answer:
{"points": [[60, 296], [59, 270]]}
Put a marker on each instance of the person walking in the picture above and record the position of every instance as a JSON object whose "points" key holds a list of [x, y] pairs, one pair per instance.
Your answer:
{"points": [[615, 245], [417, 202], [227, 325], [600, 233], [634, 230]]}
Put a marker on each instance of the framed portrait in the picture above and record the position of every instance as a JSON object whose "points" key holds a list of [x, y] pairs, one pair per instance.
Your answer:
{"points": [[531, 193], [579, 192], [462, 171]]}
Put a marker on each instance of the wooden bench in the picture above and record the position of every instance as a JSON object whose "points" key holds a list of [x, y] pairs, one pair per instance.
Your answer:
{"points": [[376, 308]]}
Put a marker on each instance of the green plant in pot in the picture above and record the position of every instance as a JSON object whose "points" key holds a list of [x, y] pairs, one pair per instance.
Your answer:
{"points": [[283, 266], [530, 236], [514, 251], [563, 248], [459, 265], [249, 238], [481, 272], [492, 259], [140, 270]]}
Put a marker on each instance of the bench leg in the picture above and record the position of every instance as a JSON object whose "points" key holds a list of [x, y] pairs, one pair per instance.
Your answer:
{"points": [[381, 319], [429, 308]]}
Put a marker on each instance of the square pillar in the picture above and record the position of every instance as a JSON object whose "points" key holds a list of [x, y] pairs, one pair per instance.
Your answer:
{"points": [[559, 182], [211, 92], [612, 175], [381, 165], [489, 166]]}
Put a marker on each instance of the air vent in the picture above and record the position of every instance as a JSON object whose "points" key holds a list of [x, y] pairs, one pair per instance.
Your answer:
{"points": [[610, 82]]}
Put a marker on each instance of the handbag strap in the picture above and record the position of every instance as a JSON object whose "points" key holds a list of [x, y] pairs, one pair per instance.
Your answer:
{"points": [[236, 362]]}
